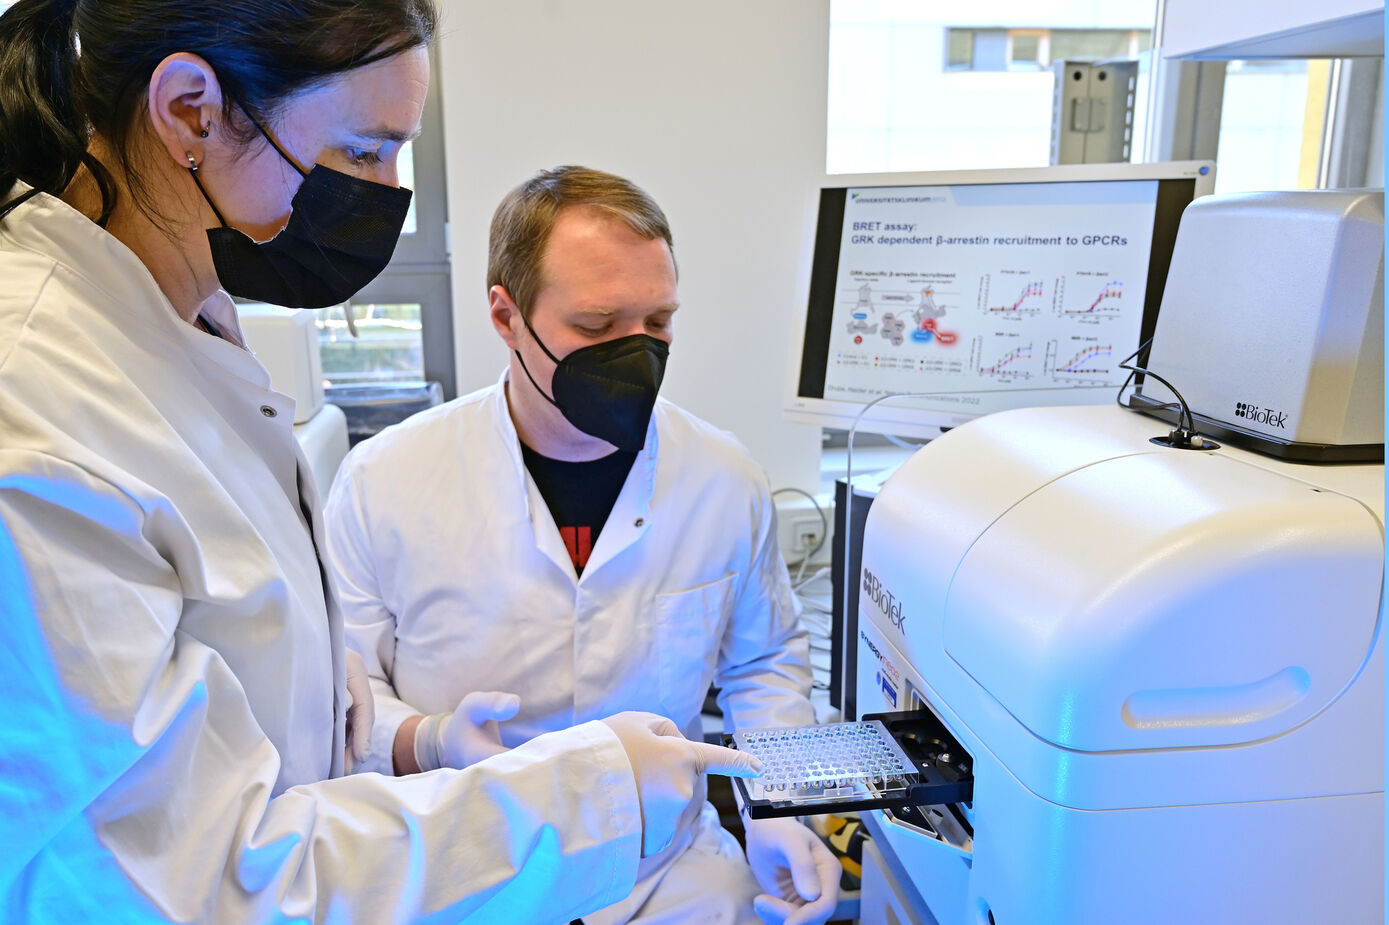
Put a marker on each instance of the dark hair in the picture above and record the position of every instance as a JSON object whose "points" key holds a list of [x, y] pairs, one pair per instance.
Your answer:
{"points": [[52, 98], [523, 221]]}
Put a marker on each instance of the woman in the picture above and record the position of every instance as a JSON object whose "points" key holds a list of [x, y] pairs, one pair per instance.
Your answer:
{"points": [[172, 659]]}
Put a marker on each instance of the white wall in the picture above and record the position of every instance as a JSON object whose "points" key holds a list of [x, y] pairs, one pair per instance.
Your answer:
{"points": [[715, 107]]}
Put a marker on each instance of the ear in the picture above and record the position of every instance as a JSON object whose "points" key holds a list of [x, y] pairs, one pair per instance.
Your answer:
{"points": [[185, 99], [505, 314]]}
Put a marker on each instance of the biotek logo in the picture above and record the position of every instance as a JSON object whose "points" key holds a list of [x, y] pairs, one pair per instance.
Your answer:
{"points": [[887, 603], [1261, 415]]}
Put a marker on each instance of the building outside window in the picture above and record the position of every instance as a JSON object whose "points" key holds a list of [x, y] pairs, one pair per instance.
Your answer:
{"points": [[1035, 49], [917, 86]]}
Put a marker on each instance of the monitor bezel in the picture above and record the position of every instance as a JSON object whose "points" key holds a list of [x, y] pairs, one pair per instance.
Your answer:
{"points": [[900, 418]]}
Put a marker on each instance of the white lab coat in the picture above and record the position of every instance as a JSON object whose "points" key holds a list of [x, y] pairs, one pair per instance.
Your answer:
{"points": [[171, 670], [454, 578]]}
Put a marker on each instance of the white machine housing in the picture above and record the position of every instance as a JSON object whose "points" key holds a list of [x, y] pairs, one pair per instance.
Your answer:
{"points": [[1272, 321], [286, 341], [1167, 666]]}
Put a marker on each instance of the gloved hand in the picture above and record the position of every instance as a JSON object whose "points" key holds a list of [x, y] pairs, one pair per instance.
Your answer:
{"points": [[667, 767], [800, 874], [361, 714], [467, 735]]}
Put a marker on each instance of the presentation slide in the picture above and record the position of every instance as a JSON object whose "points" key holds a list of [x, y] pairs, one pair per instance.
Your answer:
{"points": [[972, 290]]}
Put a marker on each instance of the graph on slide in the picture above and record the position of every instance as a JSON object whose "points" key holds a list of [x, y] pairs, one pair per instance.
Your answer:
{"points": [[1003, 357], [1089, 360], [1106, 300], [1081, 361], [1027, 300], [1012, 294], [1091, 297]]}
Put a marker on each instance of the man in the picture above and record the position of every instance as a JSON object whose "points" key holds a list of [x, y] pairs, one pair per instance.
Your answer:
{"points": [[564, 545]]}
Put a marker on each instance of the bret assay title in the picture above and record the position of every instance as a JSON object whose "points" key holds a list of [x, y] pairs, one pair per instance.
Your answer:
{"points": [[894, 233]]}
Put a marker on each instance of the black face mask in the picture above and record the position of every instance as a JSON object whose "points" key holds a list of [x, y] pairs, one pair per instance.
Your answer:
{"points": [[340, 236], [607, 390]]}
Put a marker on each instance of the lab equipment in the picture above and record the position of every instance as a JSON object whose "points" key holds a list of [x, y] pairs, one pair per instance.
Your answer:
{"points": [[1165, 665], [991, 289], [832, 763], [285, 340], [372, 407], [1307, 380], [884, 761]]}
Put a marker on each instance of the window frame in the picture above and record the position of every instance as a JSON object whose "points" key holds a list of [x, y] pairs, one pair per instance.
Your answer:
{"points": [[420, 270]]}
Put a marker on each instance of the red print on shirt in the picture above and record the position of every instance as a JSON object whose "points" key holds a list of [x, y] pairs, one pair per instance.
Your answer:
{"points": [[579, 542]]}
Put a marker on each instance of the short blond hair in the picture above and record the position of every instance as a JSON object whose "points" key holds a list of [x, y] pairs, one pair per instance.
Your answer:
{"points": [[522, 224]]}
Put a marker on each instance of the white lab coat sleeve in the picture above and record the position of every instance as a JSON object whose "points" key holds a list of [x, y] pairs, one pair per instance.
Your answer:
{"points": [[763, 672], [369, 626], [136, 785]]}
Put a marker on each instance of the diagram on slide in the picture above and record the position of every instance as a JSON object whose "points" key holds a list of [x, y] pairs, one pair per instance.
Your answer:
{"points": [[1004, 357], [899, 314], [864, 317]]}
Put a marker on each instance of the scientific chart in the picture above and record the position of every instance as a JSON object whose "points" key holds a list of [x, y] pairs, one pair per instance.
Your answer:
{"points": [[967, 290]]}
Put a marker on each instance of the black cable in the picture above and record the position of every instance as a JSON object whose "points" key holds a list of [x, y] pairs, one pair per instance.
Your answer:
{"points": [[1186, 426]]}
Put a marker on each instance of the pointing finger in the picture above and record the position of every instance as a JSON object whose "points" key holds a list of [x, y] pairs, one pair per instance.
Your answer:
{"points": [[719, 760]]}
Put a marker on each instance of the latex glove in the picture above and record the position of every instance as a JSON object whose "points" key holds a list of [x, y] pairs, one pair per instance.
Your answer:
{"points": [[467, 735], [800, 874], [667, 767], [361, 714]]}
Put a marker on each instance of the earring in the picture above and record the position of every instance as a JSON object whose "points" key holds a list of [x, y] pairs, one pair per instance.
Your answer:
{"points": [[207, 128], [192, 164]]}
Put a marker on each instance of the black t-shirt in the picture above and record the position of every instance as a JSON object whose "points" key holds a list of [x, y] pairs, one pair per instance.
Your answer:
{"points": [[580, 496]]}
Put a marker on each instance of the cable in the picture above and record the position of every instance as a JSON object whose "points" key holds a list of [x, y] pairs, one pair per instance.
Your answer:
{"points": [[1184, 435], [849, 504], [824, 532], [1133, 369], [823, 573], [898, 441]]}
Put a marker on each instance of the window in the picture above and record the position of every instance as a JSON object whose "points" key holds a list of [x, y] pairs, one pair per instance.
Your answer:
{"points": [[1026, 49], [960, 50], [1099, 44], [387, 345], [913, 87], [403, 320], [1035, 49], [1271, 125], [406, 171]]}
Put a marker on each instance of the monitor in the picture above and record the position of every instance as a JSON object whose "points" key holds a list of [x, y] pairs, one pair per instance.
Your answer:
{"points": [[989, 289]]}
